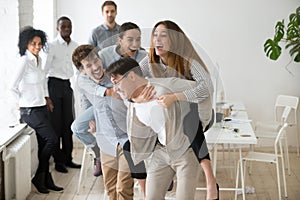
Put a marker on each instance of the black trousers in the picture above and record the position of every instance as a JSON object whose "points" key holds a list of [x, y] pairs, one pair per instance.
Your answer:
{"points": [[38, 119], [61, 94], [192, 127], [137, 171]]}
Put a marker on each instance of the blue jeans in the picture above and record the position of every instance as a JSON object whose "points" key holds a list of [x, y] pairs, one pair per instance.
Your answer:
{"points": [[80, 127]]}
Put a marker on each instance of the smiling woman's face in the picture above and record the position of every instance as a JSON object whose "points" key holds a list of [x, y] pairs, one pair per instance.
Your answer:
{"points": [[93, 68], [161, 40], [35, 45]]}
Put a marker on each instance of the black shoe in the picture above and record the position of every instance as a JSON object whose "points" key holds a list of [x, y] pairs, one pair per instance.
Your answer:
{"points": [[97, 167], [71, 164], [50, 184], [39, 182], [61, 168], [218, 192], [171, 186]]}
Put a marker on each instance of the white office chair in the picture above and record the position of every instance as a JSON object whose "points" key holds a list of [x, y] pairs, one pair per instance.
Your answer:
{"points": [[271, 158], [269, 130]]}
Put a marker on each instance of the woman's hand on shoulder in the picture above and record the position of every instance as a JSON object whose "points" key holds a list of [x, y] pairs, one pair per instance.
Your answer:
{"points": [[166, 100], [148, 94]]}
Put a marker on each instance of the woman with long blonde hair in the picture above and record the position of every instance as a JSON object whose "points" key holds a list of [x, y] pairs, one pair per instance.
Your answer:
{"points": [[172, 54]]}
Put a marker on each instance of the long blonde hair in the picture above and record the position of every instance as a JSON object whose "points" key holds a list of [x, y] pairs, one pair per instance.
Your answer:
{"points": [[181, 53]]}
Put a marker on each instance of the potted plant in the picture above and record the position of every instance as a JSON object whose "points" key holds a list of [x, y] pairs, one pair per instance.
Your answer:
{"points": [[289, 35]]}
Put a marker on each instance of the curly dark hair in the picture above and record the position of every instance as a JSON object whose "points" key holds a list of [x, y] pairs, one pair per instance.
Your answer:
{"points": [[26, 36]]}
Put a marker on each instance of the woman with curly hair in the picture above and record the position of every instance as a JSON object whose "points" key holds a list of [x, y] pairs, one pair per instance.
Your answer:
{"points": [[30, 88]]}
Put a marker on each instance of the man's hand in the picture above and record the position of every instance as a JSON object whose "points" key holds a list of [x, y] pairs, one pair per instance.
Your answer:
{"points": [[49, 104], [111, 92], [92, 125]]}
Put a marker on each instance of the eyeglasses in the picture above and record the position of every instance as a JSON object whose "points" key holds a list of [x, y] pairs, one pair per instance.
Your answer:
{"points": [[117, 83]]}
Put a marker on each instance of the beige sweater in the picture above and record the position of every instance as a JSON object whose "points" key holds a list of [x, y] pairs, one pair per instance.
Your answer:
{"points": [[143, 139]]}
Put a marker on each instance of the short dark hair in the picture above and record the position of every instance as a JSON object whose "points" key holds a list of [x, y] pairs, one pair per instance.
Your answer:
{"points": [[109, 3], [127, 26], [123, 66], [62, 18], [82, 52], [26, 36]]}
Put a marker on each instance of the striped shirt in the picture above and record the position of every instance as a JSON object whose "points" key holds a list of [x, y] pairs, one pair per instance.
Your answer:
{"points": [[202, 93]]}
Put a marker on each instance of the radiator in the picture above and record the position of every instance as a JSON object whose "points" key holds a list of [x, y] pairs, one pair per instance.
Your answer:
{"points": [[17, 169], [34, 149]]}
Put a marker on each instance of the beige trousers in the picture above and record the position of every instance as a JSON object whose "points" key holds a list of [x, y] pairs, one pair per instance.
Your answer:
{"points": [[116, 175], [161, 170]]}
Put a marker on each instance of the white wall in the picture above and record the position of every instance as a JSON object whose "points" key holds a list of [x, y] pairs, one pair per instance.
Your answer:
{"points": [[232, 32], [13, 15]]}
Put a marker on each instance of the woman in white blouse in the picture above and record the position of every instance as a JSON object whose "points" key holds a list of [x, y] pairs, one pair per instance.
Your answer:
{"points": [[30, 88]]}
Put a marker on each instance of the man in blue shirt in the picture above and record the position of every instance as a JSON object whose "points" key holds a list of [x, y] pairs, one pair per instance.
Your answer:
{"points": [[106, 34], [110, 115], [129, 45]]}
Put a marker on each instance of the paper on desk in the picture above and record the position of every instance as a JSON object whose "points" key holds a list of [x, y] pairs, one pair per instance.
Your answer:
{"points": [[241, 120]]}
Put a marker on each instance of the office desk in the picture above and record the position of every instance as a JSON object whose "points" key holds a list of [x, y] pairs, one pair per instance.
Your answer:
{"points": [[223, 133]]}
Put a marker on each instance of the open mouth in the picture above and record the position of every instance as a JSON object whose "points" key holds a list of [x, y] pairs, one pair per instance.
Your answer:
{"points": [[132, 50], [159, 47], [99, 74]]}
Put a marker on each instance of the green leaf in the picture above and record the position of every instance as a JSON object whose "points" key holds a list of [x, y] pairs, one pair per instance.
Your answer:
{"points": [[279, 31], [297, 57], [291, 38], [292, 31], [272, 49], [290, 44], [295, 48], [298, 15]]}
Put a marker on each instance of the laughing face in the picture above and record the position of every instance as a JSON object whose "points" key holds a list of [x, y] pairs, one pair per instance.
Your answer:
{"points": [[130, 42], [161, 41], [124, 84], [92, 66]]}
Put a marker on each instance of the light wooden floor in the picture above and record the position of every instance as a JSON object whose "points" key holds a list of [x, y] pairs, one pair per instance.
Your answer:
{"points": [[263, 179]]}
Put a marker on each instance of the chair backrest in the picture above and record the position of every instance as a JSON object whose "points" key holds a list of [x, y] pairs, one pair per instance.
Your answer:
{"points": [[285, 114], [279, 136], [283, 101]]}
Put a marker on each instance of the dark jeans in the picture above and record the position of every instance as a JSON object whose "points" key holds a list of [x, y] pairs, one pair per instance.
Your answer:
{"points": [[38, 119], [62, 117]]}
